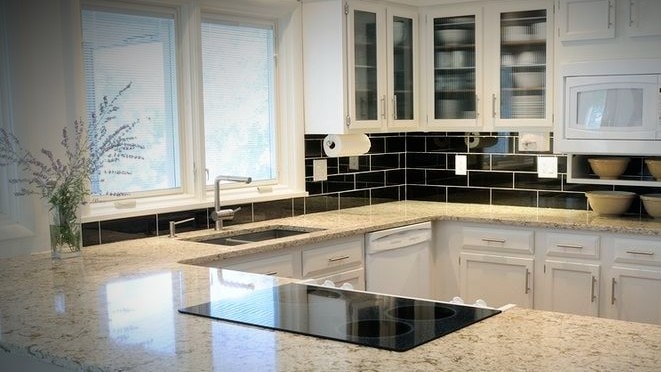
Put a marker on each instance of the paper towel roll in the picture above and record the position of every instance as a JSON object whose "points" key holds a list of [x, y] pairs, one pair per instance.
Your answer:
{"points": [[473, 140], [346, 144]]}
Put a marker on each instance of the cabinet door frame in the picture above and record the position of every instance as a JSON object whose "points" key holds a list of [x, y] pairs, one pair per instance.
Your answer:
{"points": [[394, 123], [642, 20], [593, 270], [615, 296], [565, 31], [380, 16], [492, 93], [448, 11], [525, 263]]}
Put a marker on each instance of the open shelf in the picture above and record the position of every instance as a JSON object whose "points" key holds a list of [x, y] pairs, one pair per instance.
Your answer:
{"points": [[579, 171]]}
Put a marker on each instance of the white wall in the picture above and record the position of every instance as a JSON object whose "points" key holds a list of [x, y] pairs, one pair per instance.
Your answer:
{"points": [[39, 69]]}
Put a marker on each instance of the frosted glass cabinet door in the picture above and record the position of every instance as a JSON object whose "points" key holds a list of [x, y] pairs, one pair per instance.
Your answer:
{"points": [[366, 64], [523, 65], [454, 67], [403, 68]]}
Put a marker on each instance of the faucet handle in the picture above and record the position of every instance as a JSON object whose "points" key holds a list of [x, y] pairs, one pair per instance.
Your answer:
{"points": [[237, 209]]}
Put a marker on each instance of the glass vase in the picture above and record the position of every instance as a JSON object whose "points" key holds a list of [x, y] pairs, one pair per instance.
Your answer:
{"points": [[66, 238]]}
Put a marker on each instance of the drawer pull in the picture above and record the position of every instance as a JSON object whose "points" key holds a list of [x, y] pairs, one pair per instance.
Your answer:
{"points": [[339, 258], [573, 246], [493, 240], [642, 253], [613, 291], [271, 273]]}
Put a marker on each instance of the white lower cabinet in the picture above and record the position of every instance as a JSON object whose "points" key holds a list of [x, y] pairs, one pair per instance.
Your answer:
{"points": [[635, 280], [571, 287], [285, 265], [498, 280], [340, 261]]}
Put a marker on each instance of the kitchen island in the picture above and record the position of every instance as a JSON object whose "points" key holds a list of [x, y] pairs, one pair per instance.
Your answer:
{"points": [[115, 308]]}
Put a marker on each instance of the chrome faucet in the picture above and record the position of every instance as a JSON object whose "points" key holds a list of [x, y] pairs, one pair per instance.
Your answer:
{"points": [[220, 215]]}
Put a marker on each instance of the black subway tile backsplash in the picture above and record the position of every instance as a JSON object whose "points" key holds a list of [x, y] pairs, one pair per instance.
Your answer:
{"points": [[399, 166]]}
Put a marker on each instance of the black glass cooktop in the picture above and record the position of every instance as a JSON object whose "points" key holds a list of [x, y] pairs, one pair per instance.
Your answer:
{"points": [[368, 319]]}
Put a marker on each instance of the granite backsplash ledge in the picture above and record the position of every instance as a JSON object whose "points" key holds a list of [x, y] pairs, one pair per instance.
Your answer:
{"points": [[402, 166]]}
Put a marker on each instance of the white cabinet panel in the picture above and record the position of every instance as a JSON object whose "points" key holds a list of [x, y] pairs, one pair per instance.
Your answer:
{"points": [[332, 257], [636, 295], [498, 280], [282, 265], [585, 19], [644, 17], [572, 287]]}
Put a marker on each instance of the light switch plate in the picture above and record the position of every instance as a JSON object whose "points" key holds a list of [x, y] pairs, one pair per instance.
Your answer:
{"points": [[547, 167], [319, 170], [460, 165]]}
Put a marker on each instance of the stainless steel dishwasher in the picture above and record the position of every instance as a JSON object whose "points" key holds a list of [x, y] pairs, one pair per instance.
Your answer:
{"points": [[397, 261]]}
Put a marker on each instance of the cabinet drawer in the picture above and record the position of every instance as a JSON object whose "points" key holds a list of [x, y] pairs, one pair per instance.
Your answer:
{"points": [[572, 245], [641, 252], [498, 240], [280, 265], [334, 257]]}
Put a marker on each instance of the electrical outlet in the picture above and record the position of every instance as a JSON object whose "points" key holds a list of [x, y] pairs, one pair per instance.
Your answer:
{"points": [[547, 167], [354, 163], [460, 165], [319, 170]]}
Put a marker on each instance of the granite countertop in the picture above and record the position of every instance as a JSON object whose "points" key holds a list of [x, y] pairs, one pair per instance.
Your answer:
{"points": [[115, 308]]}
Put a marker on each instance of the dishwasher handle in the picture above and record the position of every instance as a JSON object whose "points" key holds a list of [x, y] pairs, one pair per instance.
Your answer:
{"points": [[398, 240]]}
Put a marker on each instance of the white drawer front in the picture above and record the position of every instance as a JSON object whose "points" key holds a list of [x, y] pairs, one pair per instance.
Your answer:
{"points": [[333, 258], [498, 240], [280, 265], [572, 245], [641, 252]]}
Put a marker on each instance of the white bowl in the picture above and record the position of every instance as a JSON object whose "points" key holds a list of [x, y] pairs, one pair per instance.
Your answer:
{"points": [[451, 35], [608, 168], [516, 33], [610, 203], [652, 203], [528, 79], [654, 166]]}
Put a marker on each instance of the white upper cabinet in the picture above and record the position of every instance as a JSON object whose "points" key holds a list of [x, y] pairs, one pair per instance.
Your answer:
{"points": [[644, 17], [360, 67], [585, 19], [490, 67]]}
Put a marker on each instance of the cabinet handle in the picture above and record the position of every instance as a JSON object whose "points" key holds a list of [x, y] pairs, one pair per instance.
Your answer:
{"points": [[642, 253], [271, 273], [574, 246], [592, 296], [613, 291], [383, 107], [610, 9], [493, 105], [493, 240], [477, 106], [394, 107], [339, 258], [527, 281], [631, 13]]}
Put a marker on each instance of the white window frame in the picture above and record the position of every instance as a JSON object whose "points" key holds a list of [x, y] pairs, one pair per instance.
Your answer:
{"points": [[289, 114]]}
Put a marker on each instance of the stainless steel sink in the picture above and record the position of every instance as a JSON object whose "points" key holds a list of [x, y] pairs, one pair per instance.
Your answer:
{"points": [[256, 236]]}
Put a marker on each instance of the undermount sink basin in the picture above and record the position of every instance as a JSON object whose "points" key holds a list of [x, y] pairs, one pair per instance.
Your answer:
{"points": [[256, 236]]}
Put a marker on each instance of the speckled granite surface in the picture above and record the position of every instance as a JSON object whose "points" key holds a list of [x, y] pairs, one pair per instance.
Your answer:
{"points": [[115, 308]]}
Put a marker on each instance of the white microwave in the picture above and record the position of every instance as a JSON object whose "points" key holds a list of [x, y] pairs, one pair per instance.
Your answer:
{"points": [[611, 107]]}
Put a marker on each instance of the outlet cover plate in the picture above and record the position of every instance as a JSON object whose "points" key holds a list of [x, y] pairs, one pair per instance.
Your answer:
{"points": [[460, 165], [547, 167], [319, 170]]}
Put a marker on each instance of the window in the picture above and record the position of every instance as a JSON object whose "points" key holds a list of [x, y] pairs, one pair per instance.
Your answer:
{"points": [[239, 100], [121, 48], [217, 101]]}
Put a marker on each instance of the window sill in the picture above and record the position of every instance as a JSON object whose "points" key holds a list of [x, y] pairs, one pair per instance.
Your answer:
{"points": [[173, 203]]}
